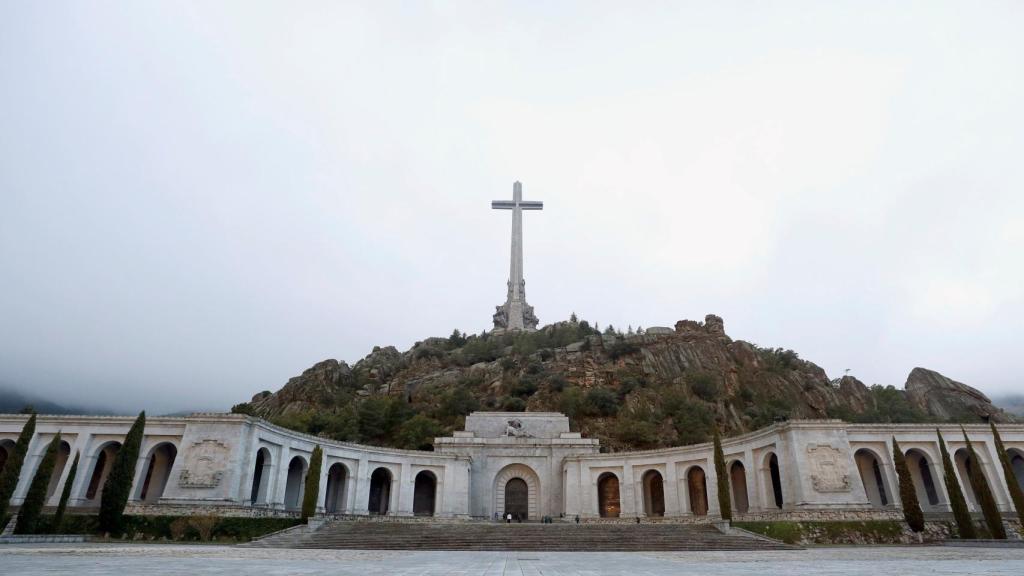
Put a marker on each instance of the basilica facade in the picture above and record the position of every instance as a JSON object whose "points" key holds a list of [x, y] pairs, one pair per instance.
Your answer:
{"points": [[529, 465]]}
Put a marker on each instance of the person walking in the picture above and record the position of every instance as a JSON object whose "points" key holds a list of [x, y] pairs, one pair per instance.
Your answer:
{"points": [[508, 519]]}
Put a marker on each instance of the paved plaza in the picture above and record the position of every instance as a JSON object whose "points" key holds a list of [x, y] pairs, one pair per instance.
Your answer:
{"points": [[126, 560]]}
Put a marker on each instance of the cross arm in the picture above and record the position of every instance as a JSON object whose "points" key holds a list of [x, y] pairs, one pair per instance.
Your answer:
{"points": [[502, 205], [527, 205]]}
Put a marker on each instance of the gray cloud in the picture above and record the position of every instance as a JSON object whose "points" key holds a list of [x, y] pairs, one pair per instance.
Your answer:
{"points": [[198, 202]]}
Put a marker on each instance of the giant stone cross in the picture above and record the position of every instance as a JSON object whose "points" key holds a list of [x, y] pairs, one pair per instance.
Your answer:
{"points": [[516, 314]]}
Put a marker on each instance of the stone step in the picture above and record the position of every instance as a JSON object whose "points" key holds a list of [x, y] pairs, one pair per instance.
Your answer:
{"points": [[517, 537]]}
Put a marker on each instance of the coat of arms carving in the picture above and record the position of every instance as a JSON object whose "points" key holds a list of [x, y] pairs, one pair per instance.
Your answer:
{"points": [[828, 469], [204, 464]]}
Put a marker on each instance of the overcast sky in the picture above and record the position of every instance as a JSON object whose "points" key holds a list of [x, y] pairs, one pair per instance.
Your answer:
{"points": [[200, 200]]}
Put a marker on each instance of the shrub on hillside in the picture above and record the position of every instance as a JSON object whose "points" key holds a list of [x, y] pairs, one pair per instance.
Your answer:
{"points": [[703, 386], [601, 402]]}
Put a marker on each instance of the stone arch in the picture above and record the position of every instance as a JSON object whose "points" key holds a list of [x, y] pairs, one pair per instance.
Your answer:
{"points": [[529, 477], [773, 480], [738, 483], [697, 488], [424, 494], [261, 476], [63, 453], [964, 464], [380, 491], [654, 493], [1017, 465], [158, 471], [609, 500], [295, 485], [103, 461], [921, 473], [337, 480], [869, 465]]}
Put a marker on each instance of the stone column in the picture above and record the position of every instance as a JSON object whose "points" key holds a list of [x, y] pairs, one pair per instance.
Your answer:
{"points": [[711, 487], [627, 497], [405, 484], [671, 490], [321, 498], [994, 472], [362, 488], [750, 474], [86, 460], [394, 496], [275, 499], [28, 468], [141, 467], [939, 478]]}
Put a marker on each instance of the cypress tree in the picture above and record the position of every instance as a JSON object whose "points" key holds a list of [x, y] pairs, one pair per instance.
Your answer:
{"points": [[58, 518], [12, 469], [1011, 479], [28, 516], [984, 493], [312, 489], [119, 482], [964, 524], [908, 495], [722, 479]]}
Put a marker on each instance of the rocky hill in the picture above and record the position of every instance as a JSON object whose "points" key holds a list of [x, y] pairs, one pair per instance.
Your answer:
{"points": [[660, 387]]}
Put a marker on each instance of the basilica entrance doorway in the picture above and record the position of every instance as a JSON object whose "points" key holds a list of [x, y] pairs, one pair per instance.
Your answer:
{"points": [[517, 499], [517, 492]]}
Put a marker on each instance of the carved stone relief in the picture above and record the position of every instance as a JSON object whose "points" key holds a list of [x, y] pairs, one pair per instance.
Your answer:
{"points": [[204, 464], [828, 469]]}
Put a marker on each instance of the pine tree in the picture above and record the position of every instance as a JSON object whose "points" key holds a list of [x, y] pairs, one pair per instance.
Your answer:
{"points": [[118, 486], [984, 493], [312, 490], [12, 469], [964, 524], [722, 479], [908, 495], [28, 515], [1011, 479], [58, 518]]}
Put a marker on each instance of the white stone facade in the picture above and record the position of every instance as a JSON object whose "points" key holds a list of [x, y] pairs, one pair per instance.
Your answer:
{"points": [[799, 469]]}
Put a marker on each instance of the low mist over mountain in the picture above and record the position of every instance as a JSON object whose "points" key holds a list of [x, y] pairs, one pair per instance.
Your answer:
{"points": [[1012, 403]]}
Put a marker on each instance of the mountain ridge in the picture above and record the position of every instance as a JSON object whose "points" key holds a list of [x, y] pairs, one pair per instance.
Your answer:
{"points": [[658, 388]]}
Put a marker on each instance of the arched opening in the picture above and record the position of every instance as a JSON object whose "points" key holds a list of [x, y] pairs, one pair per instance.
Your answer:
{"points": [[608, 503], [380, 491], [295, 485], [697, 484], [654, 494], [871, 477], [965, 465], [424, 494], [63, 452], [921, 473], [158, 472], [104, 461], [738, 482], [517, 498], [1017, 464], [6, 449], [336, 477], [775, 480], [260, 477]]}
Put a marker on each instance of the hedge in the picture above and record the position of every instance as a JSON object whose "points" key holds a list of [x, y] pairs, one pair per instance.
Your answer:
{"points": [[159, 527]]}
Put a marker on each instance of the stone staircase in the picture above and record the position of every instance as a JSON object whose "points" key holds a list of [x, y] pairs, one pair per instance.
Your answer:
{"points": [[558, 537]]}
